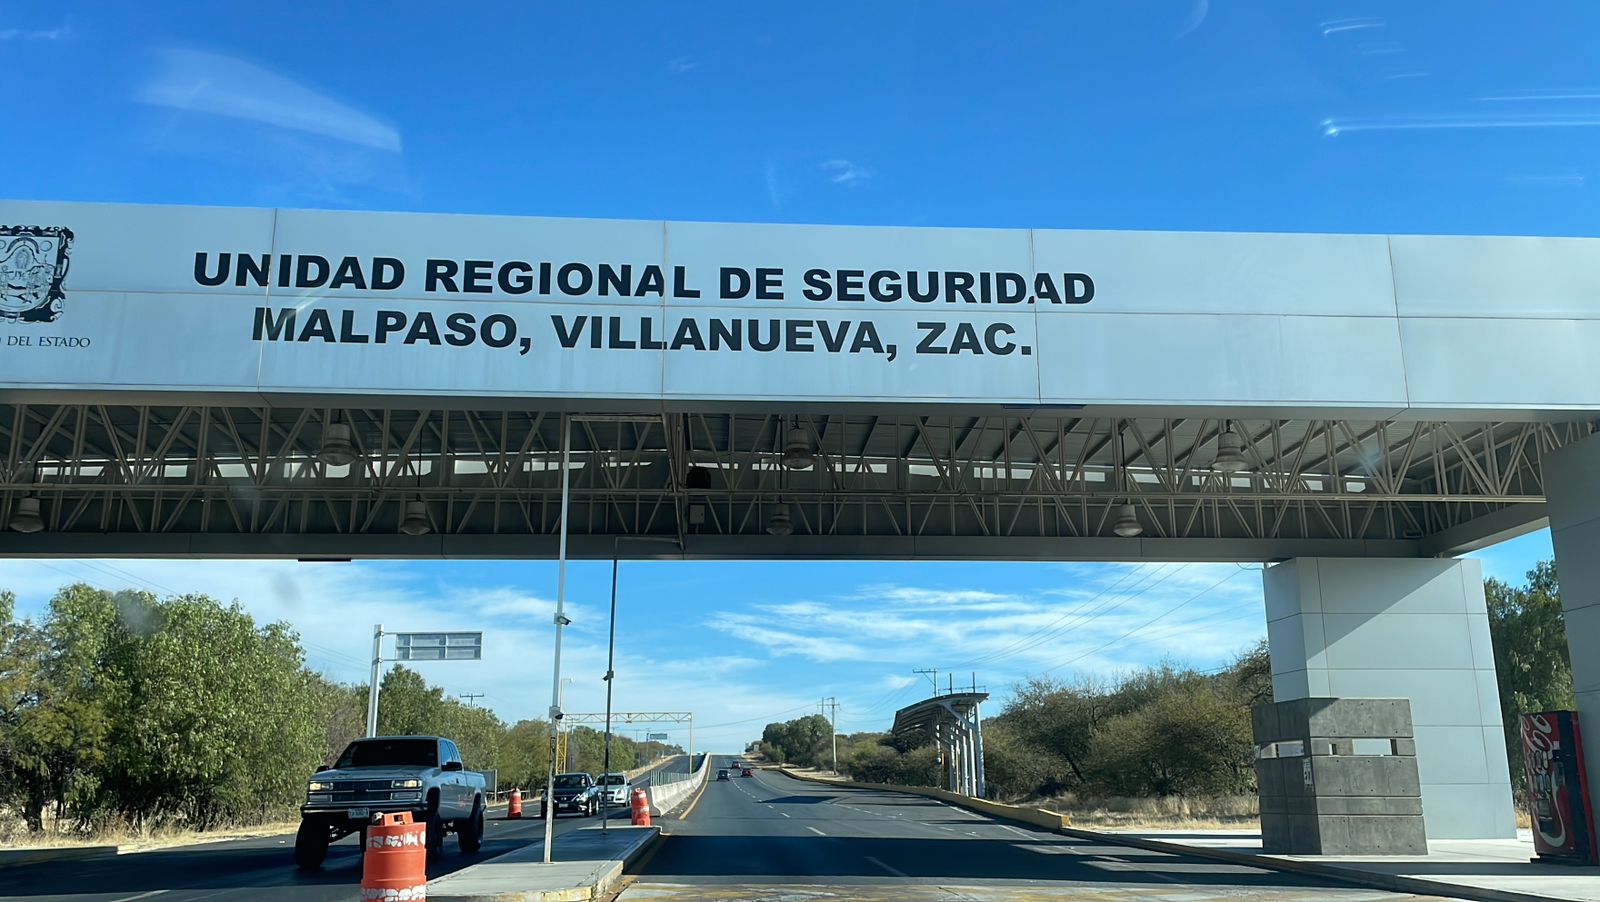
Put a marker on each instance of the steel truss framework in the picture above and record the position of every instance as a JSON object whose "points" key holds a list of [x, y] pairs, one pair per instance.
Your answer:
{"points": [[246, 481]]}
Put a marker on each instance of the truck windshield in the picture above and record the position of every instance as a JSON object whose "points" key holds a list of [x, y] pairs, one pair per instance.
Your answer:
{"points": [[384, 752]]}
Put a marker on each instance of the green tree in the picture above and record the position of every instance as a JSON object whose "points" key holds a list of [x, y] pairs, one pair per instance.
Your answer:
{"points": [[1192, 739], [525, 754], [1531, 661]]}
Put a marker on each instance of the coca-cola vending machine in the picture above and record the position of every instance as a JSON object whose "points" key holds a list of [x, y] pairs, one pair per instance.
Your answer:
{"points": [[1558, 788]]}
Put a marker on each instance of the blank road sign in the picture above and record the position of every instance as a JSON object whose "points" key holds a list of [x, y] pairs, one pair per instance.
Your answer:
{"points": [[438, 646]]}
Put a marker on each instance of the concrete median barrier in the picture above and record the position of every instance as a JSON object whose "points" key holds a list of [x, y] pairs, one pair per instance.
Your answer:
{"points": [[666, 796], [1039, 817]]}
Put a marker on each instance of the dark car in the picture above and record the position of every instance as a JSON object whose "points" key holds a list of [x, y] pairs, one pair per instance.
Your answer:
{"points": [[575, 792], [747, 773], [722, 774]]}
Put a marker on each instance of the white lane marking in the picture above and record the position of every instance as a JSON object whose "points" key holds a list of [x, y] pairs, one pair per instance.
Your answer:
{"points": [[154, 892], [816, 831], [891, 870], [785, 815], [1016, 831]]}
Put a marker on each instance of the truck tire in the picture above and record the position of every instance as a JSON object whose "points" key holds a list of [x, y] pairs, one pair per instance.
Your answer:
{"points": [[469, 833], [310, 845], [435, 836]]}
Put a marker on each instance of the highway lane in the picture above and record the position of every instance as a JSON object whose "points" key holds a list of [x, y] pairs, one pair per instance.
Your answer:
{"points": [[257, 869], [749, 836]]}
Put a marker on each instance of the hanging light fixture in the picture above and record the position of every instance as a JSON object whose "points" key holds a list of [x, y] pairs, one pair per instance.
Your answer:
{"points": [[779, 523], [797, 454], [415, 522], [1230, 451], [26, 516], [1126, 523], [337, 450]]}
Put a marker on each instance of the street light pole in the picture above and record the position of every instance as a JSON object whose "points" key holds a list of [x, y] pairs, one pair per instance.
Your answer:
{"points": [[611, 660], [561, 621]]}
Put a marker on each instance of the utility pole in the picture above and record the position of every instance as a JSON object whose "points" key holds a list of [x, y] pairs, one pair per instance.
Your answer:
{"points": [[932, 675], [471, 697], [372, 689], [832, 704]]}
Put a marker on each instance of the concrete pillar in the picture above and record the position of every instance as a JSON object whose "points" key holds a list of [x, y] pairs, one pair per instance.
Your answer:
{"points": [[1403, 628], [1572, 485], [978, 750], [969, 774]]}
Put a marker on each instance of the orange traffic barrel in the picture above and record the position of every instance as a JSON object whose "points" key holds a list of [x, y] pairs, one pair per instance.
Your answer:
{"points": [[514, 809], [394, 865], [641, 808]]}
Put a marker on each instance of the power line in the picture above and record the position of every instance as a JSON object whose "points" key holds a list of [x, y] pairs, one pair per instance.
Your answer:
{"points": [[1136, 629], [1127, 595], [768, 717]]}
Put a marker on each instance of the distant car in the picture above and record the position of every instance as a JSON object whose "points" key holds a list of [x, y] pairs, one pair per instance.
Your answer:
{"points": [[747, 773], [575, 792], [614, 788], [722, 774]]}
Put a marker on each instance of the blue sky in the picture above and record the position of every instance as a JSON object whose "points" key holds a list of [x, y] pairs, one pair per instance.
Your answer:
{"points": [[1340, 117]]}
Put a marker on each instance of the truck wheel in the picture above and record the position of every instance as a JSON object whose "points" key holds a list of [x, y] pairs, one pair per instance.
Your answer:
{"points": [[435, 833], [310, 845], [470, 831]]}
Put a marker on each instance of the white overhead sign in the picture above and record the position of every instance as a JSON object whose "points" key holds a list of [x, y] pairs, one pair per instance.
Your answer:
{"points": [[438, 646], [205, 300]]}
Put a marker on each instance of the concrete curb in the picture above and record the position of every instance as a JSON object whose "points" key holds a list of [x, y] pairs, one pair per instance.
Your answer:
{"points": [[10, 858], [1038, 817], [608, 873], [1341, 873]]}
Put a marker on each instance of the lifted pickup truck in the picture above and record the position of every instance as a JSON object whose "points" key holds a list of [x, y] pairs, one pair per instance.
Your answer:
{"points": [[386, 775]]}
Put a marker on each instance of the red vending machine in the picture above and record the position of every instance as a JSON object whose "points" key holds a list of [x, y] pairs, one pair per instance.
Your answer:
{"points": [[1558, 788]]}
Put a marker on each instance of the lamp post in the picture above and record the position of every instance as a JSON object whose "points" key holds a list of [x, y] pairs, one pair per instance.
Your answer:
{"points": [[561, 621]]}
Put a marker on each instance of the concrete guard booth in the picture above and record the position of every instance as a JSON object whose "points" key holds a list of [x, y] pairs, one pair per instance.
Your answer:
{"points": [[1355, 411]]}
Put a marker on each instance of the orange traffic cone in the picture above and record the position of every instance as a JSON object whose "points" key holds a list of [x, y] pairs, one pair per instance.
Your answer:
{"points": [[641, 808], [514, 809], [394, 863]]}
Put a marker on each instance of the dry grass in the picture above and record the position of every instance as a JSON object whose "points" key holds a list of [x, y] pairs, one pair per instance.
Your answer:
{"points": [[129, 840], [1170, 813]]}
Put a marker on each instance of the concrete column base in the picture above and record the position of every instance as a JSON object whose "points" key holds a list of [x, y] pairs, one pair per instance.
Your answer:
{"points": [[1403, 628]]}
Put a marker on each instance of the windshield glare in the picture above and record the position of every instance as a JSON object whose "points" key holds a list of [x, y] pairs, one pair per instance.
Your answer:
{"points": [[381, 752]]}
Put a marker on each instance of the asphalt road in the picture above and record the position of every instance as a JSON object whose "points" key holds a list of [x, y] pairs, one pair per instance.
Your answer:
{"points": [[257, 869], [770, 837]]}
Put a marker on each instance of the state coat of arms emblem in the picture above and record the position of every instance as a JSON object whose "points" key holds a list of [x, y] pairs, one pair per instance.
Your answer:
{"points": [[33, 264]]}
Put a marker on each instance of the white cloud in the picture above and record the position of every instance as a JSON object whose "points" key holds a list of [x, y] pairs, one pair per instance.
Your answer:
{"points": [[680, 64], [212, 83], [846, 172], [781, 642], [33, 34]]}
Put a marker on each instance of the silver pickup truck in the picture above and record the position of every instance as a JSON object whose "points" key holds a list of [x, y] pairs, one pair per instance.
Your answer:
{"points": [[386, 775]]}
